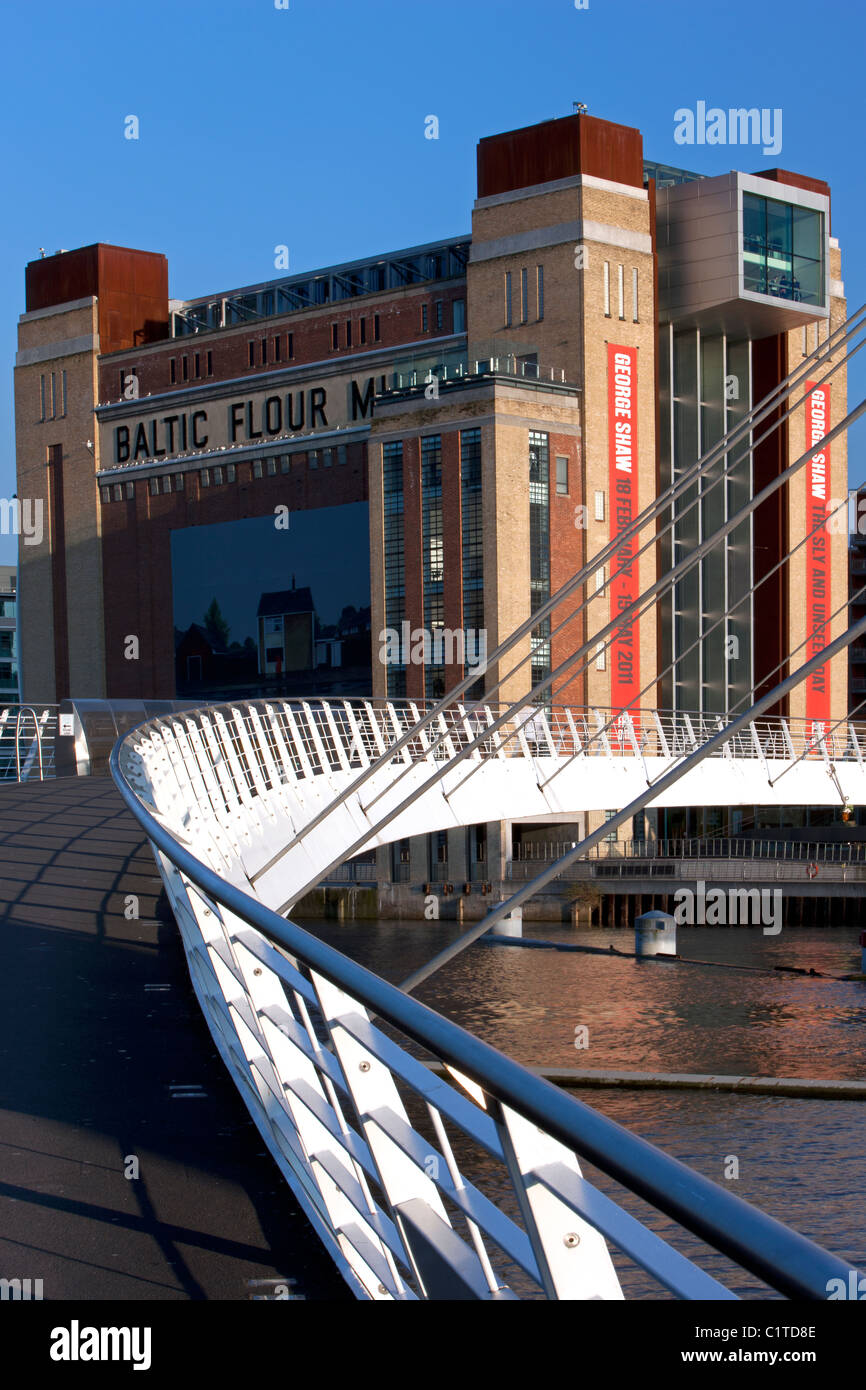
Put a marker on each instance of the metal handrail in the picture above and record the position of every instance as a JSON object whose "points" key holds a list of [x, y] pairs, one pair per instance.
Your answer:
{"points": [[22, 711], [703, 847], [783, 1258]]}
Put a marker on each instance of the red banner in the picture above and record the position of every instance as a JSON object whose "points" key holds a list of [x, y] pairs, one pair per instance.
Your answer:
{"points": [[623, 465], [817, 556]]}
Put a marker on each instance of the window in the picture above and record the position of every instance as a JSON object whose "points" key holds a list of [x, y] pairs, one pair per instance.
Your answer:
{"points": [[198, 364], [278, 349], [335, 335], [432, 558], [205, 477], [439, 315], [178, 482], [184, 367], [210, 364], [252, 352], [634, 313], [607, 289], [458, 316], [611, 838], [783, 250], [218, 476], [508, 299], [172, 370], [472, 537], [257, 468], [166, 482], [42, 398], [105, 493], [562, 475], [524, 295], [539, 548], [154, 487], [363, 323], [130, 490], [375, 328], [395, 602], [118, 491], [348, 332], [285, 462], [63, 393], [313, 458], [291, 346], [600, 657], [231, 473], [539, 290], [424, 319], [272, 467], [326, 458], [264, 351], [620, 290], [599, 506], [342, 453]]}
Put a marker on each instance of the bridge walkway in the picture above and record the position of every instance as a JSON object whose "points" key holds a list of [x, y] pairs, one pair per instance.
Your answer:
{"points": [[99, 1030]]}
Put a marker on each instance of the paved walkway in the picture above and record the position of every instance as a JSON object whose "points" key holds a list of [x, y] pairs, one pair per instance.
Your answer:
{"points": [[99, 1031]]}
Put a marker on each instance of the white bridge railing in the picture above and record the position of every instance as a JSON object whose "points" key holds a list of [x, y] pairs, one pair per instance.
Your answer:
{"points": [[28, 735], [420, 1185]]}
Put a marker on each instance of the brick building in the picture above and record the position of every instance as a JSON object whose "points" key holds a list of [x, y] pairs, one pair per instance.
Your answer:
{"points": [[500, 403]]}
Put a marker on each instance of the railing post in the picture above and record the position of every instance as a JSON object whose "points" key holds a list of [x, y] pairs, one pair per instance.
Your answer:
{"points": [[573, 1258]]}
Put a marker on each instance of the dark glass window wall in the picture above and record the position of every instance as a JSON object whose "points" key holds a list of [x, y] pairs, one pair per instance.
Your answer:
{"points": [[783, 250]]}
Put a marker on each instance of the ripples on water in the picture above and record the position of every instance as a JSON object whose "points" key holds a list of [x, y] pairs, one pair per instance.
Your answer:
{"points": [[799, 1160]]}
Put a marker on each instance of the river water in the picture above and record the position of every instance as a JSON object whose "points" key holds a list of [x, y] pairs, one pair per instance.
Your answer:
{"points": [[803, 1161]]}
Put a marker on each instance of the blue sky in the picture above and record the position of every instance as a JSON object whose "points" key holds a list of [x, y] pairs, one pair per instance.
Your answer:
{"points": [[305, 127]]}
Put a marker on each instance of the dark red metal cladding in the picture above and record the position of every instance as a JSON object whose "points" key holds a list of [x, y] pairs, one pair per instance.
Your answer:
{"points": [[557, 150]]}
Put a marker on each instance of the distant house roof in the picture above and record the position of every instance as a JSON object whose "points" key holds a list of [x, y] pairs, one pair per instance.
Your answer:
{"points": [[285, 601]]}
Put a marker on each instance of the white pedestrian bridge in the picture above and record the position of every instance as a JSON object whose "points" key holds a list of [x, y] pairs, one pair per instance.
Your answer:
{"points": [[248, 805], [241, 784]]}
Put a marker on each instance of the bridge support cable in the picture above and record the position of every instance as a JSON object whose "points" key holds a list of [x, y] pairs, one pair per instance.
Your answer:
{"points": [[845, 335], [819, 740], [668, 779], [628, 614], [723, 617]]}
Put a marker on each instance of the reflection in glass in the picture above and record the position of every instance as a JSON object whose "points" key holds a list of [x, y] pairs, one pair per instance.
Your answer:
{"points": [[782, 250]]}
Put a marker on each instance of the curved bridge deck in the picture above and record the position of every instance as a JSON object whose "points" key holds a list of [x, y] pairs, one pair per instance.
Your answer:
{"points": [[98, 1023]]}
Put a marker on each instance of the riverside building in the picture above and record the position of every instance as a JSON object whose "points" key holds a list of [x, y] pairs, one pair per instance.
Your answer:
{"points": [[433, 440]]}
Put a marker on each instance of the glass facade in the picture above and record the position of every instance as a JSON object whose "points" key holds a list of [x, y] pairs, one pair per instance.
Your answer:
{"points": [[705, 389], [539, 550], [783, 250], [8, 647], [472, 538], [433, 559], [395, 583], [444, 261]]}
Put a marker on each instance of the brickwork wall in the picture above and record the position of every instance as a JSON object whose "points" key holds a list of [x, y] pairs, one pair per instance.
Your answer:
{"points": [[311, 329]]}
